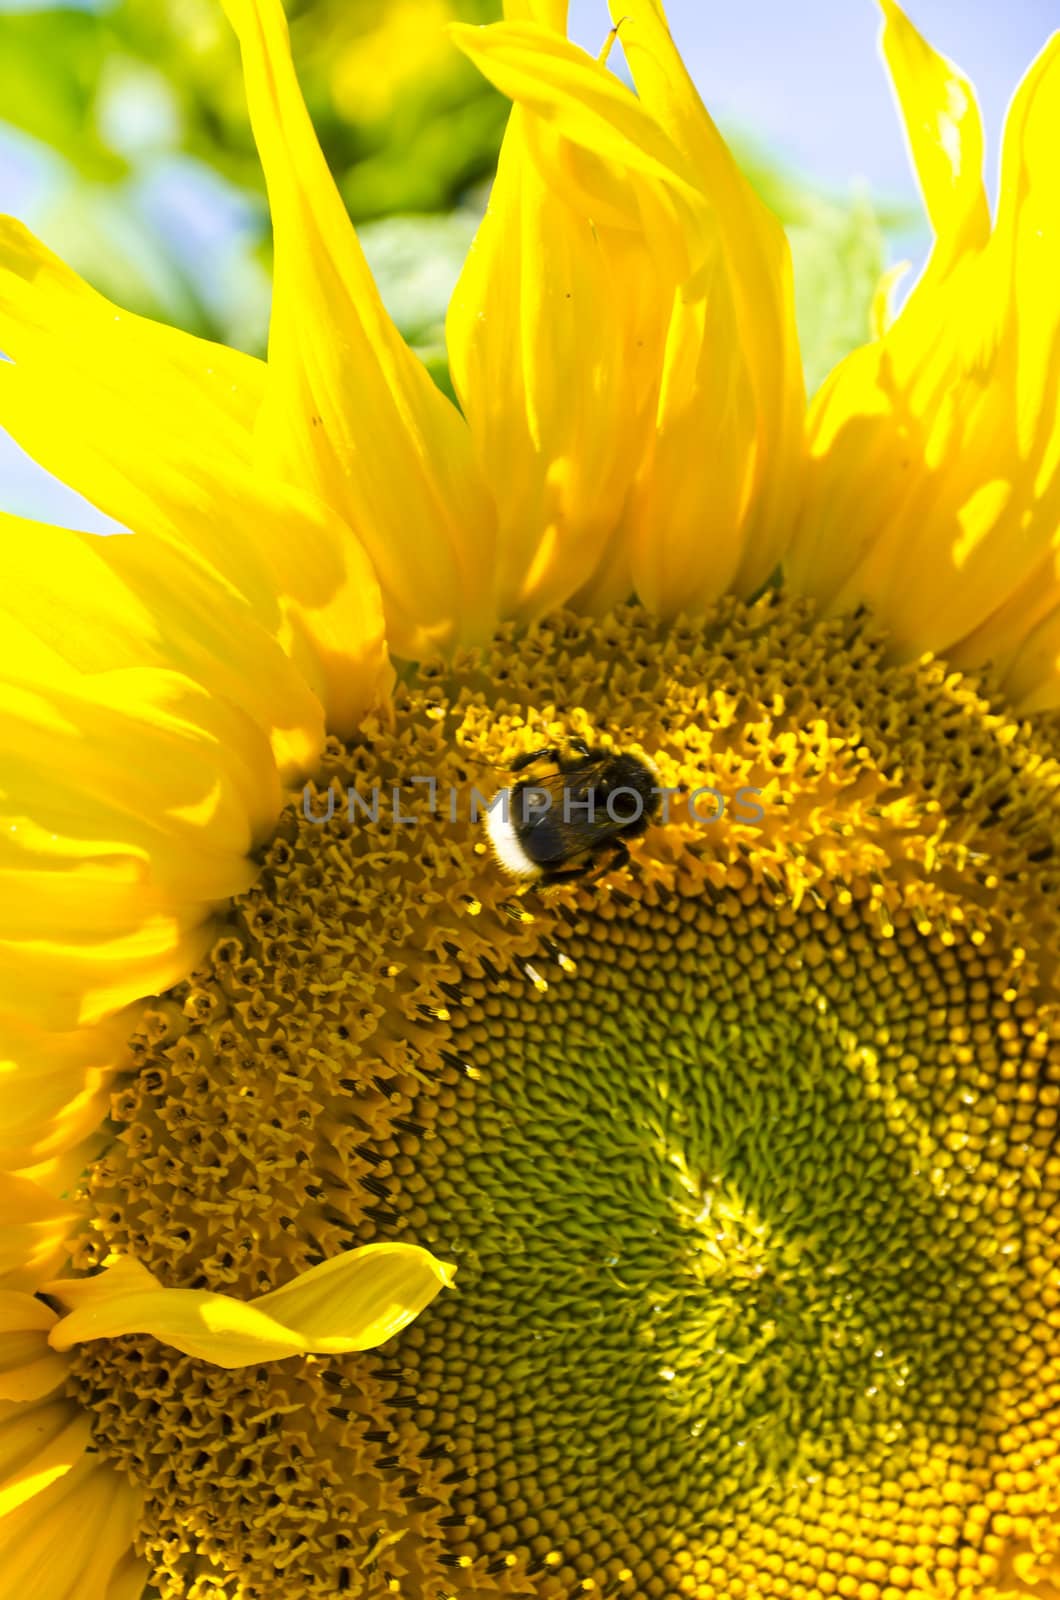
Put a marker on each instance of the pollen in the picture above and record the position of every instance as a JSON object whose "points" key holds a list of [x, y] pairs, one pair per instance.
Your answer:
{"points": [[746, 1151]]}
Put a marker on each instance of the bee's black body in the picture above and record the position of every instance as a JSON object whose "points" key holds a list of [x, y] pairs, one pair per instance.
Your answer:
{"points": [[576, 819]]}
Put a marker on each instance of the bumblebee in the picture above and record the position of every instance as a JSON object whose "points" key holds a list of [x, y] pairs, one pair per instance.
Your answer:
{"points": [[573, 821]]}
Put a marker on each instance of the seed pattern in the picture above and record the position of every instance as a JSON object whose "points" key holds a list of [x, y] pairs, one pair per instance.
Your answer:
{"points": [[747, 1155]]}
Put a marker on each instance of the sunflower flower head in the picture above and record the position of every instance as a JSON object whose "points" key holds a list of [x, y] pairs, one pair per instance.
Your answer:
{"points": [[679, 1220]]}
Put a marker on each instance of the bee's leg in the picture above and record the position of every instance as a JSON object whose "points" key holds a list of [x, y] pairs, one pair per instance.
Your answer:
{"points": [[583, 869], [614, 862], [564, 760], [528, 757], [612, 858], [551, 875]]}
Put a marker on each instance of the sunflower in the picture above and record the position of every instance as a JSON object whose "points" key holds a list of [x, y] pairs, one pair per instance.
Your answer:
{"points": [[744, 1152]]}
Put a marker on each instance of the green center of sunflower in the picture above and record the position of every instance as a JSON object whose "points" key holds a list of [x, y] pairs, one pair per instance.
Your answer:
{"points": [[746, 1154]]}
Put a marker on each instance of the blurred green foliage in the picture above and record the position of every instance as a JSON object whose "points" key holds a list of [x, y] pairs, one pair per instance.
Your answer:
{"points": [[143, 101], [51, 67], [838, 258], [163, 205], [405, 121]]}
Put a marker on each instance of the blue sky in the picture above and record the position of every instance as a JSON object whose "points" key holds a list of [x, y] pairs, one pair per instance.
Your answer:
{"points": [[804, 77]]}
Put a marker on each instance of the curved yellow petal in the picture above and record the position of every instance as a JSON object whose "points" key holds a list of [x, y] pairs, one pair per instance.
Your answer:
{"points": [[933, 488], [882, 311], [355, 1301], [216, 391], [132, 800], [660, 239], [557, 325], [350, 412], [229, 552], [29, 1367], [53, 1091], [39, 1442], [541, 329], [74, 1540], [33, 1230], [551, 13], [91, 603], [1021, 642], [153, 688], [129, 1578], [945, 134], [578, 98], [66, 1522], [715, 507], [219, 551], [83, 982]]}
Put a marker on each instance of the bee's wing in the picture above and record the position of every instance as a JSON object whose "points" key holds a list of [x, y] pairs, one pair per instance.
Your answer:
{"points": [[568, 819]]}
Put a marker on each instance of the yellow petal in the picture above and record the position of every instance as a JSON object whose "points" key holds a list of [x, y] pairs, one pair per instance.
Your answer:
{"points": [[33, 1228], [882, 312], [53, 1088], [716, 371], [551, 13], [1021, 642], [166, 448], [350, 412], [54, 1095], [29, 1368], [557, 325], [79, 983], [540, 331], [355, 1301], [570, 92], [749, 237], [945, 134], [74, 1540], [221, 551], [129, 1578], [132, 801], [94, 603], [217, 391], [39, 1442], [933, 491], [715, 508]]}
